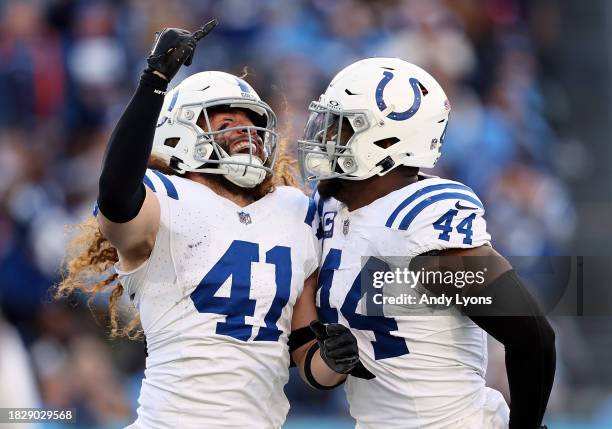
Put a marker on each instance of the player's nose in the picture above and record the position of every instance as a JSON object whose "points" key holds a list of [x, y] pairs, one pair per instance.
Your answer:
{"points": [[248, 129]]}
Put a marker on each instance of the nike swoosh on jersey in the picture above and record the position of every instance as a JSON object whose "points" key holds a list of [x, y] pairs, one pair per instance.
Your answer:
{"points": [[460, 207]]}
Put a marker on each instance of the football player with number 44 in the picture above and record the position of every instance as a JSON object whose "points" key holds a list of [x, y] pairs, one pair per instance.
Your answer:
{"points": [[379, 121], [219, 260]]}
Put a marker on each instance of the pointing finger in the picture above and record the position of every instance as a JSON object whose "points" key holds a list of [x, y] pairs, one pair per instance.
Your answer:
{"points": [[204, 30]]}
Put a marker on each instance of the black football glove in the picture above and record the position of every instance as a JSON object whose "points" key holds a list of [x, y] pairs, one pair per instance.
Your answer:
{"points": [[174, 47], [339, 349]]}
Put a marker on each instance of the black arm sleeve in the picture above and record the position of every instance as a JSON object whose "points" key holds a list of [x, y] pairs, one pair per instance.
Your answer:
{"points": [[297, 339], [121, 192], [515, 320]]}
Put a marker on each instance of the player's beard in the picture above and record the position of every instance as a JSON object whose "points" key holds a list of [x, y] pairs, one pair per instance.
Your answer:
{"points": [[330, 188]]}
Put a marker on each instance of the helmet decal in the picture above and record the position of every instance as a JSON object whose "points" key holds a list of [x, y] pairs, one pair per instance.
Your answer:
{"points": [[243, 86], [170, 107], [398, 116], [173, 101]]}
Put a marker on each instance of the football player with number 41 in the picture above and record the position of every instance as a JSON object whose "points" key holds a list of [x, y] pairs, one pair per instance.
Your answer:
{"points": [[379, 121], [219, 260]]}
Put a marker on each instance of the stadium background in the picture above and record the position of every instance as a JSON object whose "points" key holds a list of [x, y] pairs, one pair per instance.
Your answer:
{"points": [[529, 86]]}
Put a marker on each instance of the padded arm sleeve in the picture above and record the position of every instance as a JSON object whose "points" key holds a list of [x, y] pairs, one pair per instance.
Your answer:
{"points": [[121, 192], [529, 342]]}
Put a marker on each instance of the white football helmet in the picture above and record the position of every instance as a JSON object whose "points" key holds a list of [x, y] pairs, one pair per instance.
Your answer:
{"points": [[370, 101], [185, 146]]}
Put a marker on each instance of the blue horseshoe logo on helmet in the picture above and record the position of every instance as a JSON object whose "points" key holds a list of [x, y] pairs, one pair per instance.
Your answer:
{"points": [[398, 116]]}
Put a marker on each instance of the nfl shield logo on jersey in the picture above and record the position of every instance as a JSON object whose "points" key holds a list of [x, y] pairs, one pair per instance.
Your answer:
{"points": [[244, 218], [345, 226]]}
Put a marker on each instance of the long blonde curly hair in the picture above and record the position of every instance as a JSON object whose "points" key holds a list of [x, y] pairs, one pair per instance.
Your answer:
{"points": [[90, 257]]}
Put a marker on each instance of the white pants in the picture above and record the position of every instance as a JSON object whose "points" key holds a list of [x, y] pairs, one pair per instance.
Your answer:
{"points": [[494, 415]]}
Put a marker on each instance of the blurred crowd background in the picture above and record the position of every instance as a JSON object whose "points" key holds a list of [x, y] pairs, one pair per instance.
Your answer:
{"points": [[68, 68]]}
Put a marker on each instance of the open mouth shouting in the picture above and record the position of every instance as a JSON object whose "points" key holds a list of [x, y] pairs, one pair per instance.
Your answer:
{"points": [[244, 145]]}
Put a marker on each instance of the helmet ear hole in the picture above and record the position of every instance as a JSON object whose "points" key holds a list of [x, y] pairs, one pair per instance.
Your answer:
{"points": [[172, 142], [386, 143], [423, 89]]}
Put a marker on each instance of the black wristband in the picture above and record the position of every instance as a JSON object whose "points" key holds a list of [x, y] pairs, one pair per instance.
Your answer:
{"points": [[308, 372], [299, 337], [153, 81]]}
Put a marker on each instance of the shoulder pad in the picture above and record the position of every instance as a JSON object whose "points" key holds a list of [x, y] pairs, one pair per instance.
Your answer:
{"points": [[420, 199]]}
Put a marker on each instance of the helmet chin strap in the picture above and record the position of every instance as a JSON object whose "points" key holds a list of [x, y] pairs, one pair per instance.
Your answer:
{"points": [[245, 176]]}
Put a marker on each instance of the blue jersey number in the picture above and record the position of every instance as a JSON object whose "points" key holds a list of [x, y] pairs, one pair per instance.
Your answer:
{"points": [[326, 276], [444, 224], [464, 227], [386, 345], [236, 263]]}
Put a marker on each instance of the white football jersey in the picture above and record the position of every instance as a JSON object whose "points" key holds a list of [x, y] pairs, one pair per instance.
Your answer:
{"points": [[429, 368], [216, 300]]}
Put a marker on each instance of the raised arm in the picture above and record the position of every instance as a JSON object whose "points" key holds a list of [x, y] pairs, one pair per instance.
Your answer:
{"points": [[129, 212]]}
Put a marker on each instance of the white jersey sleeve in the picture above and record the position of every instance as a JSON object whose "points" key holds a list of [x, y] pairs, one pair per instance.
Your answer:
{"points": [[440, 214], [133, 280], [307, 208], [315, 211]]}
